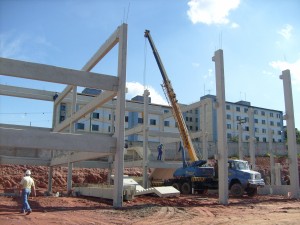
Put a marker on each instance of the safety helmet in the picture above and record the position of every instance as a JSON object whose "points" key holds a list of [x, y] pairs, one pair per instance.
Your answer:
{"points": [[27, 172]]}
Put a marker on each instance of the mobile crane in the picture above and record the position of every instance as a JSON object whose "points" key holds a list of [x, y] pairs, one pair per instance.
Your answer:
{"points": [[196, 176], [186, 139]]}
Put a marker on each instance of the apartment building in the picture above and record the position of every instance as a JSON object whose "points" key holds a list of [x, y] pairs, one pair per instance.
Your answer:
{"points": [[201, 118]]}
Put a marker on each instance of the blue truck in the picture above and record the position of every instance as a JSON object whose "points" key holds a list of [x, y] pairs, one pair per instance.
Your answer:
{"points": [[198, 177]]}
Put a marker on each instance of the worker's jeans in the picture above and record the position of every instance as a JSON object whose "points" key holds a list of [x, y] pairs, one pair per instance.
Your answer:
{"points": [[25, 194]]}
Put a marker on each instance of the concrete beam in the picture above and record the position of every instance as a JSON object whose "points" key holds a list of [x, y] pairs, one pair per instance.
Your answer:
{"points": [[26, 93], [75, 157], [134, 130], [43, 139], [23, 161], [90, 107], [184, 109], [42, 72], [91, 164]]}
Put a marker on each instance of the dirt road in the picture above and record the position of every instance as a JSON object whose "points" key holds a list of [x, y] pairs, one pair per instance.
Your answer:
{"points": [[189, 209]]}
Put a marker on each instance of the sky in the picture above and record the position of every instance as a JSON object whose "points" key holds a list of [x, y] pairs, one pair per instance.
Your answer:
{"points": [[259, 38]]}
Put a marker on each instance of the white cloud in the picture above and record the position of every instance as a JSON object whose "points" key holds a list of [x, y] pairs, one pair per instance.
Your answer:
{"points": [[234, 25], [286, 31], [211, 11], [11, 47], [293, 67], [135, 88]]}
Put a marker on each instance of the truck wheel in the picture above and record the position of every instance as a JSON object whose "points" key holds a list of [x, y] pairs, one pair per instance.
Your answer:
{"points": [[186, 188], [252, 192], [177, 186], [237, 190]]}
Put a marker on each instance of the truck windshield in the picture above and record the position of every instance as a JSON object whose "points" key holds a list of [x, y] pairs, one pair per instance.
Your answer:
{"points": [[241, 165]]}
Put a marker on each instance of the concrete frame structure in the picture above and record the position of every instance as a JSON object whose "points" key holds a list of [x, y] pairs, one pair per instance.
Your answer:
{"points": [[57, 140]]}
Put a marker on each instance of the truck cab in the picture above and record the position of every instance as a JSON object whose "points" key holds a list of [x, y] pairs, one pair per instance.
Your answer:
{"points": [[242, 179]]}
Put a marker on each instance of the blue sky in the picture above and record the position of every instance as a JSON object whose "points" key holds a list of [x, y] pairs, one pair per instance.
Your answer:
{"points": [[259, 40]]}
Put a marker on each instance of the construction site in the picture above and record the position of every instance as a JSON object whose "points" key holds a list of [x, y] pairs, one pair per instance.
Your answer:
{"points": [[94, 178]]}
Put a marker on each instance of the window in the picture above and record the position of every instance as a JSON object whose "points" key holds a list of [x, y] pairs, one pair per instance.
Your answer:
{"points": [[229, 136], [255, 112], [255, 120], [109, 117], [238, 118], [245, 110], [62, 118], [196, 111], [63, 107], [279, 132], [191, 127], [196, 128], [263, 122], [95, 127], [257, 139], [246, 128], [272, 123], [186, 119], [166, 123], [238, 109], [228, 126], [256, 130], [166, 111], [95, 115], [176, 124], [271, 114], [140, 120], [278, 116], [126, 118], [264, 139], [228, 117], [264, 131], [278, 124], [80, 126], [262, 113], [196, 119], [152, 122], [108, 129], [228, 107], [191, 119]]}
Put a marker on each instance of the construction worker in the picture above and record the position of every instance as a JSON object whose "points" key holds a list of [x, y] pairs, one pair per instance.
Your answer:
{"points": [[26, 184], [160, 151]]}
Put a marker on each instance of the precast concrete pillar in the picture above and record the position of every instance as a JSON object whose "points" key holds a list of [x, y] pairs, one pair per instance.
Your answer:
{"points": [[204, 133], [271, 152], [145, 142], [69, 177], [251, 138], [241, 149], [50, 176], [222, 155], [277, 169], [291, 134]]}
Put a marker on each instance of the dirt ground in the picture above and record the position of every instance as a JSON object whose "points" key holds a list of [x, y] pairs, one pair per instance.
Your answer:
{"points": [[188, 209]]}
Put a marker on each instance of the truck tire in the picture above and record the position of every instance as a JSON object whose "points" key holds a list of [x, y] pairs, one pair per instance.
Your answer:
{"points": [[252, 192], [177, 186], [186, 188], [237, 190]]}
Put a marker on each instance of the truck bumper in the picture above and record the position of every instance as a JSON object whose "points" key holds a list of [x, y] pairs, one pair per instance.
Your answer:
{"points": [[256, 183]]}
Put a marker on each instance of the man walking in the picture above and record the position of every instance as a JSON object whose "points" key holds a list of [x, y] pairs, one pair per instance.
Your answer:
{"points": [[26, 184]]}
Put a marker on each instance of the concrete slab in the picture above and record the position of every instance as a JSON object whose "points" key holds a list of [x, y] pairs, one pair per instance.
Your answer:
{"points": [[167, 191]]}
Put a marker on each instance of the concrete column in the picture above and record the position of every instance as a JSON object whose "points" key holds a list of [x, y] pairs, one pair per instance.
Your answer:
{"points": [[50, 175], [69, 177], [120, 115], [204, 134], [277, 169], [291, 133], [145, 142], [272, 165], [221, 127], [251, 138], [73, 108], [241, 149]]}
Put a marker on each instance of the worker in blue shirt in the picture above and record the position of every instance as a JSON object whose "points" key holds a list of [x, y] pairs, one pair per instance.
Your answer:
{"points": [[159, 150]]}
